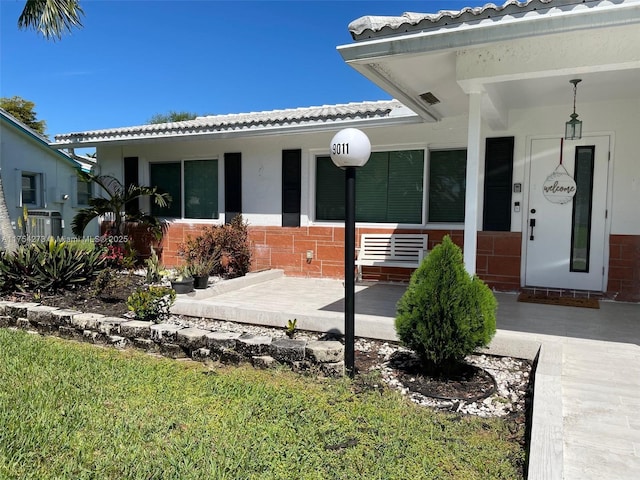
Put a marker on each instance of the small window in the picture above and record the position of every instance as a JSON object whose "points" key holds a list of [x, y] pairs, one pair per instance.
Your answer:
{"points": [[83, 192], [447, 185], [30, 189]]}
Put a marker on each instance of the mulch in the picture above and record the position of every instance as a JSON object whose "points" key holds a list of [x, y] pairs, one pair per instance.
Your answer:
{"points": [[471, 383]]}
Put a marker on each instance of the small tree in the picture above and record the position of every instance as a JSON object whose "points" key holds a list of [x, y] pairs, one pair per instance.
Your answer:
{"points": [[445, 314], [24, 111]]}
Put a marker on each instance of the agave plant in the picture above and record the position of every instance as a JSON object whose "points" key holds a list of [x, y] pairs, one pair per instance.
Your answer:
{"points": [[117, 205]]}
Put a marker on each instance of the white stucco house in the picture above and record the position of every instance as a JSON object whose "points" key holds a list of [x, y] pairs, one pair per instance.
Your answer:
{"points": [[473, 147], [40, 179]]}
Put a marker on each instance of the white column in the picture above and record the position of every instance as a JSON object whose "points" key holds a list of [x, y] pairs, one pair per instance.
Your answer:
{"points": [[473, 179]]}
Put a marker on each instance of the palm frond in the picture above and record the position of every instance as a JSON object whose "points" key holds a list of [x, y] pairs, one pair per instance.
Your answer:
{"points": [[51, 18], [82, 219]]}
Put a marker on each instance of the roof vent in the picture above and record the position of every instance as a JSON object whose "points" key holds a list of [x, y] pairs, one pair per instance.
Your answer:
{"points": [[430, 98]]}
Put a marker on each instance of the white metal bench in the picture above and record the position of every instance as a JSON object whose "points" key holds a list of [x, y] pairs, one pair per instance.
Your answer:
{"points": [[403, 250]]}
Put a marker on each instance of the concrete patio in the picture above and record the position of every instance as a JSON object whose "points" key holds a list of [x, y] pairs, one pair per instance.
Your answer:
{"points": [[587, 383]]}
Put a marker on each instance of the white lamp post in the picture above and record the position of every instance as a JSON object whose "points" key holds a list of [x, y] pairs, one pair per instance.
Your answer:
{"points": [[350, 148]]}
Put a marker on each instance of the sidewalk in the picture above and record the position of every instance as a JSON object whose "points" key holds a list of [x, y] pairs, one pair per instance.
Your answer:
{"points": [[587, 384]]}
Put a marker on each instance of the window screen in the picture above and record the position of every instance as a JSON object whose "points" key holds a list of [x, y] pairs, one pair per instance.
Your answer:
{"points": [[168, 178], [388, 188], [201, 189], [447, 184]]}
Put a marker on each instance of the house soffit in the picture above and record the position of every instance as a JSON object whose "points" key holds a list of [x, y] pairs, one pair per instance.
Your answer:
{"points": [[524, 72]]}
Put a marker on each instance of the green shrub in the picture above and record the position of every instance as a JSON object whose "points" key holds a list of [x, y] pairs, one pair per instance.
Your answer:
{"points": [[49, 266], [106, 282], [152, 303], [225, 247], [445, 314]]}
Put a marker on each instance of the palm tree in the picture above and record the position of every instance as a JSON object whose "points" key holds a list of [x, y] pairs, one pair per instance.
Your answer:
{"points": [[51, 17], [117, 205], [7, 235]]}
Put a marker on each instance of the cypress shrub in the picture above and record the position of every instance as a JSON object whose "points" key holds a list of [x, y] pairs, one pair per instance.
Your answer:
{"points": [[445, 314]]}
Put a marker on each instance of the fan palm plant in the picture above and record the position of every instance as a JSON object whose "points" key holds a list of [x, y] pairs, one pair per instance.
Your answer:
{"points": [[51, 18], [117, 205]]}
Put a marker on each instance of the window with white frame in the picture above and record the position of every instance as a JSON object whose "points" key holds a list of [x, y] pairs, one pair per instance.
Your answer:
{"points": [[389, 188], [83, 192], [30, 189], [193, 186]]}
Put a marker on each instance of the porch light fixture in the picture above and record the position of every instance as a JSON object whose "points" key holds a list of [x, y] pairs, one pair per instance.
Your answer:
{"points": [[350, 149], [573, 128]]}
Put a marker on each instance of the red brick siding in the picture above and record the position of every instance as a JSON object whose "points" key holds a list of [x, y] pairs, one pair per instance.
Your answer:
{"points": [[286, 248], [624, 267], [498, 258]]}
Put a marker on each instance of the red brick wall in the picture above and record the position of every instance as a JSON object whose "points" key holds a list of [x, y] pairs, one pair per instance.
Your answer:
{"points": [[624, 267], [286, 248], [499, 259]]}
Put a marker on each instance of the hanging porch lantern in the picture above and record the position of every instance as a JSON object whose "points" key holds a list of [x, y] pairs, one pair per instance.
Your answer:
{"points": [[573, 128]]}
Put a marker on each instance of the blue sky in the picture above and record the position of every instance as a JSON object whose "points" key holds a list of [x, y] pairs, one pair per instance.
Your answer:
{"points": [[133, 59]]}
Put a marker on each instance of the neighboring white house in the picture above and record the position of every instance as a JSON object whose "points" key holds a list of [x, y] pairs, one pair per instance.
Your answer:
{"points": [[39, 178], [472, 148]]}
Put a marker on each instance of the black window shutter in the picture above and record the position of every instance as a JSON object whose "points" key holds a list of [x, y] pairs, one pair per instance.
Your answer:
{"points": [[291, 187], [232, 185], [131, 178], [498, 173]]}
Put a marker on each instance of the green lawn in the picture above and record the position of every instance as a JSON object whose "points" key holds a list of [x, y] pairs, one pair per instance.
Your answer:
{"points": [[75, 411]]}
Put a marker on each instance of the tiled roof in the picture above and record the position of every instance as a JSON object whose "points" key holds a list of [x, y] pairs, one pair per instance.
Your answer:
{"points": [[368, 27], [248, 122]]}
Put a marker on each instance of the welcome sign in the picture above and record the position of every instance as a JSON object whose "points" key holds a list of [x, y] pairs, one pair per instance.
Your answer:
{"points": [[559, 187]]}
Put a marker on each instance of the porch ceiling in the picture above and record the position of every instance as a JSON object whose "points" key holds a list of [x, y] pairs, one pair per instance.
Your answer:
{"points": [[517, 64]]}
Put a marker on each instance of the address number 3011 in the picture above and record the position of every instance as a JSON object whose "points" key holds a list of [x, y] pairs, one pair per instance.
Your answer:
{"points": [[340, 148]]}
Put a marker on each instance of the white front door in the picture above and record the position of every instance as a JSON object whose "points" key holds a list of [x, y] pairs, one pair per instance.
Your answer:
{"points": [[565, 242]]}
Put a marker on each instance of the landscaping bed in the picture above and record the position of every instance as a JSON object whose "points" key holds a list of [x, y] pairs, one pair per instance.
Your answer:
{"points": [[88, 412], [491, 386]]}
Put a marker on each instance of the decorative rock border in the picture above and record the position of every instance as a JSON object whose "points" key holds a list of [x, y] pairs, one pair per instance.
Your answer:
{"points": [[175, 341]]}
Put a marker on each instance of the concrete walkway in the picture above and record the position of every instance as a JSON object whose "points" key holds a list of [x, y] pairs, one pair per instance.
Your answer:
{"points": [[586, 412]]}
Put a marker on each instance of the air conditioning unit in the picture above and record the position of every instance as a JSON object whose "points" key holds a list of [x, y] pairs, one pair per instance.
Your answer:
{"points": [[42, 224]]}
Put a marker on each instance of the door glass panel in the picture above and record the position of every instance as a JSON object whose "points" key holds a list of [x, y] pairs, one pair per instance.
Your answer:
{"points": [[582, 202]]}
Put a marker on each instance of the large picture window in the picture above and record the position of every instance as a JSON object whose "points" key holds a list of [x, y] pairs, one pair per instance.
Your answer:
{"points": [[196, 191], [388, 188], [447, 185]]}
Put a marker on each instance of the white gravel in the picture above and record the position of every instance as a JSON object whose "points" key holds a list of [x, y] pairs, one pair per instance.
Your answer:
{"points": [[511, 374]]}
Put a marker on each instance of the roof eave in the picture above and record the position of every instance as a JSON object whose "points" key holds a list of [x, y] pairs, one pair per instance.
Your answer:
{"points": [[230, 134], [483, 33]]}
